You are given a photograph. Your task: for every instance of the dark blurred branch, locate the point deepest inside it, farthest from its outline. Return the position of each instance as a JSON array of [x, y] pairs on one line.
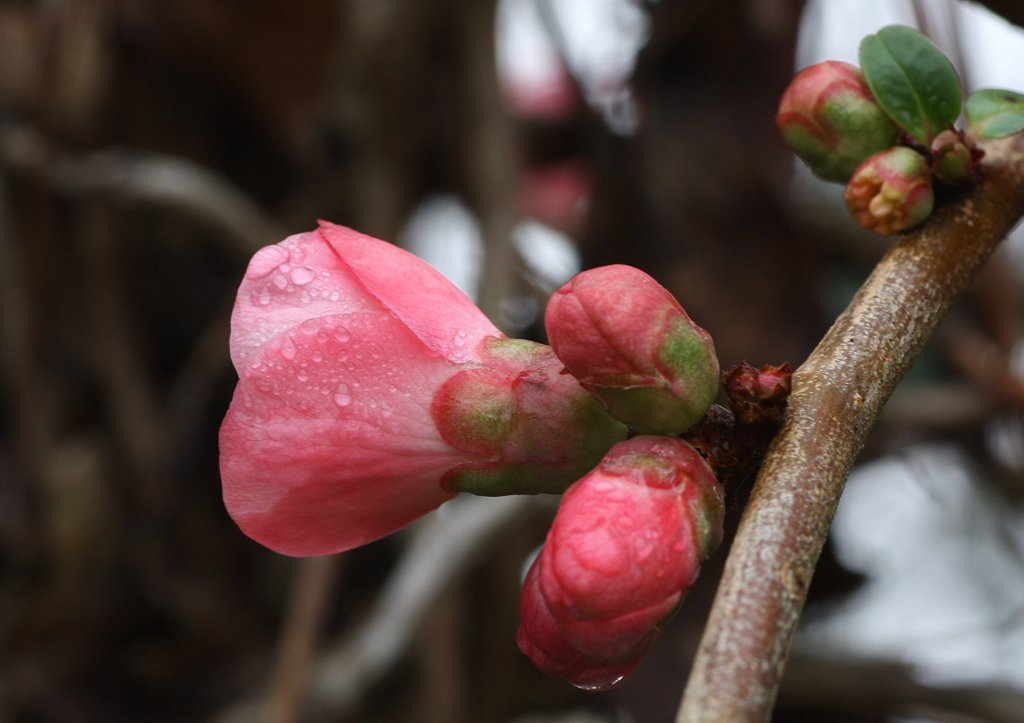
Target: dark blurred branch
[[837, 396], [883, 690], [133, 177], [441, 549], [314, 578]]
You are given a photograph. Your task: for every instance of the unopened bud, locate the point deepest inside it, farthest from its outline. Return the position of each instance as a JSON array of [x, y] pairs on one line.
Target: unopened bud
[[953, 161], [624, 548], [630, 344], [891, 191], [830, 119]]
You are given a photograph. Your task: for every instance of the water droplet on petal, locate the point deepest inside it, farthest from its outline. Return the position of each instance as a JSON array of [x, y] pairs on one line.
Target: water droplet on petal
[[342, 334], [264, 297], [265, 261], [280, 281], [302, 275], [601, 685], [288, 349], [341, 396], [303, 376]]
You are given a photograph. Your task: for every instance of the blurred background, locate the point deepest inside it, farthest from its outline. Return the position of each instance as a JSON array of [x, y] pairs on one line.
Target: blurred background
[[149, 147]]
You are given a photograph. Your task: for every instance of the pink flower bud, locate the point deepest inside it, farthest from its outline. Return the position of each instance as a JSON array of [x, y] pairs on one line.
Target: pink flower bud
[[758, 396], [341, 343], [631, 345], [624, 547], [891, 191], [830, 119]]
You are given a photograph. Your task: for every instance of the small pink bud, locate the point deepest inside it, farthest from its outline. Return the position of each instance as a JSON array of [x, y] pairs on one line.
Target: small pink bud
[[625, 546], [758, 395], [630, 344], [830, 119], [891, 191], [954, 162]]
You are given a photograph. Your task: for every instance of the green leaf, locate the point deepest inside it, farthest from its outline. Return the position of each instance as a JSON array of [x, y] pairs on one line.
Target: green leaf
[[994, 113], [913, 82]]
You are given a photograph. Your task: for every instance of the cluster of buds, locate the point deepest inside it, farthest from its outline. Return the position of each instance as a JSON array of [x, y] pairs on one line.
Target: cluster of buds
[[362, 404], [889, 158]]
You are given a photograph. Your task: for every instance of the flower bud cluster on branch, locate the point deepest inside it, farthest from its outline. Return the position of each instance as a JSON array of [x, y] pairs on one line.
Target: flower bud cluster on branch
[[886, 129], [371, 390]]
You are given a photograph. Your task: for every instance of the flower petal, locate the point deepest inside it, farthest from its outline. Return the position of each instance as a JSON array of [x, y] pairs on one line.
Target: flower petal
[[336, 270], [443, 317], [328, 443]]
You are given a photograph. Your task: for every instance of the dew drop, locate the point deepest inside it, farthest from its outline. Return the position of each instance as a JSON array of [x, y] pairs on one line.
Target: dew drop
[[601, 685], [341, 396], [303, 377], [288, 349], [317, 357], [302, 275], [265, 261], [280, 281], [342, 334], [264, 297]]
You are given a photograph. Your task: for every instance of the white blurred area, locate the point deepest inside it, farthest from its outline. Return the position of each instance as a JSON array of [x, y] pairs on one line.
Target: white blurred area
[[594, 41], [545, 51], [944, 557], [942, 552]]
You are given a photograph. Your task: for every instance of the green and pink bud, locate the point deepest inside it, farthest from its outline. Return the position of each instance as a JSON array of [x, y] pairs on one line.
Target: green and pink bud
[[954, 162], [623, 550], [630, 344], [526, 427], [830, 119], [891, 191]]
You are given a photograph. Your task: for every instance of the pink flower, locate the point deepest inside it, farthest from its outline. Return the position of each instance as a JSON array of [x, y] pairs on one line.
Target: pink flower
[[830, 119], [335, 436], [631, 345], [624, 547]]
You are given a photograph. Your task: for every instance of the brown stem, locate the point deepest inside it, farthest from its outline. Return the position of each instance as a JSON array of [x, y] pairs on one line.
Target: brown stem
[[837, 395]]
